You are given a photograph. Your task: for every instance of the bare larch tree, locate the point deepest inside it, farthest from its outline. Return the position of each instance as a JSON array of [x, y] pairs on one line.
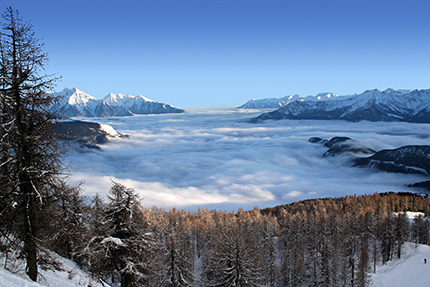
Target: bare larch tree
[[30, 158]]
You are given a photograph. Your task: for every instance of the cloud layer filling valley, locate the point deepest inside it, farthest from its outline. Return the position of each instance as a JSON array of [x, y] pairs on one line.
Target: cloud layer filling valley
[[215, 159]]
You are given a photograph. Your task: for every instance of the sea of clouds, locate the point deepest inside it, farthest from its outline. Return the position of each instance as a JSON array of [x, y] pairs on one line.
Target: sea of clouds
[[214, 158]]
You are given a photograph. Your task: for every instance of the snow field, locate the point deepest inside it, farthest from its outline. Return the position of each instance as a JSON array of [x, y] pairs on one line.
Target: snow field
[[410, 270]]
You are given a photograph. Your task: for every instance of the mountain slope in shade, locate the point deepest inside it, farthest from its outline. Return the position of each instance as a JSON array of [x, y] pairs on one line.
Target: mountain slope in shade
[[406, 159], [372, 105], [76, 103]]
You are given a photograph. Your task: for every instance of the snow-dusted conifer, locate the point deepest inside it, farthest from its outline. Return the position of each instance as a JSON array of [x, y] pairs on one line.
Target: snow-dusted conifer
[[69, 232], [235, 261], [179, 268], [120, 253]]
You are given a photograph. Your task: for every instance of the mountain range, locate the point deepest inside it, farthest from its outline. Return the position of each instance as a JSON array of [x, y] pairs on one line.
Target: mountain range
[[77, 103], [269, 103], [371, 105]]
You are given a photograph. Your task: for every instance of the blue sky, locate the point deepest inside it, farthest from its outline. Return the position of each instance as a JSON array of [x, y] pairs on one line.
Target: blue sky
[[193, 53]]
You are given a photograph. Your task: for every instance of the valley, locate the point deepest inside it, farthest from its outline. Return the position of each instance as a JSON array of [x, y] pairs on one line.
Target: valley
[[215, 158]]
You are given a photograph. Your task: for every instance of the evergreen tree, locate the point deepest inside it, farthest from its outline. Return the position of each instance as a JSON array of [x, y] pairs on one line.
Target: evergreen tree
[[69, 232], [365, 233], [179, 268], [30, 157], [235, 260], [401, 232], [120, 252]]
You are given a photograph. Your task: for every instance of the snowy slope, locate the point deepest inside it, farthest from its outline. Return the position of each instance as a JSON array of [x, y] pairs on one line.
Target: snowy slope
[[371, 105], [76, 103], [410, 270], [69, 276], [16, 280]]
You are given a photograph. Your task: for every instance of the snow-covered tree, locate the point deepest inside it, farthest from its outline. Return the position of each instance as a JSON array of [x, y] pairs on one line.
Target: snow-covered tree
[[235, 260], [178, 266], [120, 251]]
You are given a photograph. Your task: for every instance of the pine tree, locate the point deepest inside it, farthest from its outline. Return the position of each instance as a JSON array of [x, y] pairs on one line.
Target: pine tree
[[401, 232], [387, 237], [69, 232], [365, 233], [120, 252], [235, 260], [30, 157], [179, 268]]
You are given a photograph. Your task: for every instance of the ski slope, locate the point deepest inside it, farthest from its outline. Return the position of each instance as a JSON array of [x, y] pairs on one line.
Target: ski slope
[[410, 270]]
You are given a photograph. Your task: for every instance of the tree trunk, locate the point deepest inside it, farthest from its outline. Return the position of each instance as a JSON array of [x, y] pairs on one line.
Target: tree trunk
[[30, 248], [30, 251]]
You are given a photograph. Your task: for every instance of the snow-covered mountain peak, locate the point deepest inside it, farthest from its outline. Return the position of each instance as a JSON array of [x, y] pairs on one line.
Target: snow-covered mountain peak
[[111, 98], [77, 103], [76, 96], [325, 95], [143, 98], [371, 105]]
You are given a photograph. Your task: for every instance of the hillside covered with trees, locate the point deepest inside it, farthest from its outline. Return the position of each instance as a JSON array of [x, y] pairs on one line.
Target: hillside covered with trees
[[324, 242]]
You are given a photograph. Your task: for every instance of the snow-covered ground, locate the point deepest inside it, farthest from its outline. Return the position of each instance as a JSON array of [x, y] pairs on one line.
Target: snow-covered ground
[[69, 276], [410, 270]]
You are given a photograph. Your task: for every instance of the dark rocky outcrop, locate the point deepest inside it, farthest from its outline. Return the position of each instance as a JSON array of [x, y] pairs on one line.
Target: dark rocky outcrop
[[83, 134], [342, 145]]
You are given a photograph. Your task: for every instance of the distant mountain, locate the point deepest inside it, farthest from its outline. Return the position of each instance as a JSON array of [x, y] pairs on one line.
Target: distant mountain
[[282, 102], [76, 103], [373, 105]]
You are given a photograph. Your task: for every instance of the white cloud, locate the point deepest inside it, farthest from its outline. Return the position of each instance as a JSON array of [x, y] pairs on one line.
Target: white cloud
[[218, 159], [291, 195]]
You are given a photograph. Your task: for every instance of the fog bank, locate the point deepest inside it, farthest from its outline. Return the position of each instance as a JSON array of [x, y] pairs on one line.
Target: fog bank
[[214, 158]]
